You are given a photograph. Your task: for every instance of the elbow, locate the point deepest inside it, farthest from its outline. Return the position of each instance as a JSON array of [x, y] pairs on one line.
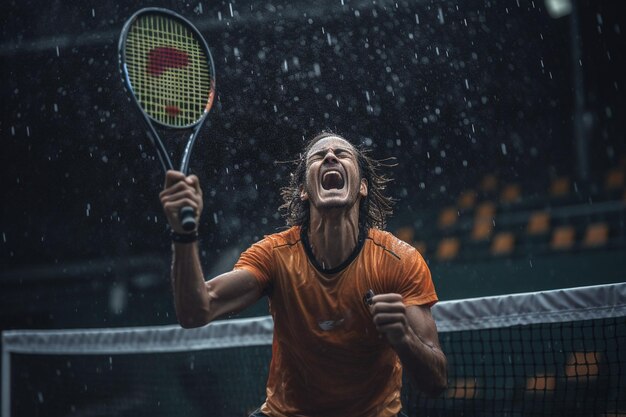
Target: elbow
[[187, 324], [192, 322], [436, 385], [437, 388], [440, 383]]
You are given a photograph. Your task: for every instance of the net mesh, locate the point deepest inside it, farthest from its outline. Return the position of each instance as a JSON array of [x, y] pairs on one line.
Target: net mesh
[[561, 354], [564, 369], [168, 70]]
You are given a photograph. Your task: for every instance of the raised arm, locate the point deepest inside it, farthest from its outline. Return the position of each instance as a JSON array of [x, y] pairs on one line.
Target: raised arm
[[412, 333], [198, 302]]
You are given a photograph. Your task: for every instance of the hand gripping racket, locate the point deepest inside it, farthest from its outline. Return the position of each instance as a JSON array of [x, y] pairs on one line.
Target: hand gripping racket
[[168, 72]]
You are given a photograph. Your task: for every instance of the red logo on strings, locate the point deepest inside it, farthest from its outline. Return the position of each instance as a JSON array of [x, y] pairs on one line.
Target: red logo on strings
[[172, 110], [162, 58]]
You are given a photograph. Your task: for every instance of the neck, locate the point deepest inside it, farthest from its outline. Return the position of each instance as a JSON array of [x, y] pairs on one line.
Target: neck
[[333, 235]]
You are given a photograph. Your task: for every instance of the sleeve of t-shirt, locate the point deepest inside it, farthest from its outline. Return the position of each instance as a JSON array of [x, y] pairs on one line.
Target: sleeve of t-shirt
[[258, 260], [414, 281]]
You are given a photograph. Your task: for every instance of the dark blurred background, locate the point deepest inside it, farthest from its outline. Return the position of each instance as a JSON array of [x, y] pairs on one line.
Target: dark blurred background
[[507, 119]]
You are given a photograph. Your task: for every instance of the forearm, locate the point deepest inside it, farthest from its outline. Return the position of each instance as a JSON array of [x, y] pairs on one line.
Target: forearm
[[190, 295], [425, 363]]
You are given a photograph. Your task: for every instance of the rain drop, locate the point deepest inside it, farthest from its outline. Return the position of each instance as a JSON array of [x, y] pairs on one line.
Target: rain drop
[[440, 16], [316, 69]]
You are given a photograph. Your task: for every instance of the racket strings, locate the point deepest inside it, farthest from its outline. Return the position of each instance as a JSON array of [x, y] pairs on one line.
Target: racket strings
[[168, 69], [168, 57]]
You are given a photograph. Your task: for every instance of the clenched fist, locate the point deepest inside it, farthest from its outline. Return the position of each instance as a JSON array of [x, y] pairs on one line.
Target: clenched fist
[[389, 316], [180, 191]]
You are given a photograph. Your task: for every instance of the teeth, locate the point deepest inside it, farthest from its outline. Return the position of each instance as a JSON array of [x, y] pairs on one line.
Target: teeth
[[331, 173]]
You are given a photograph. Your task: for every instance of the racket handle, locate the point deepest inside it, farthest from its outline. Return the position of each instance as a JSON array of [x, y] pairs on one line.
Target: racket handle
[[187, 217]]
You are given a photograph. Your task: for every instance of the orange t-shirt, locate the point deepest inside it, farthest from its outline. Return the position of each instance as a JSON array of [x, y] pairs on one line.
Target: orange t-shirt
[[328, 359]]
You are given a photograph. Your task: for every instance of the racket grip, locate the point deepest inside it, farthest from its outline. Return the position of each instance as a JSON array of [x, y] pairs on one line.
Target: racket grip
[[187, 217]]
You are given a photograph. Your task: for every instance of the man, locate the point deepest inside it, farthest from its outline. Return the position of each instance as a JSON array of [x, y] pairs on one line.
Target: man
[[333, 354]]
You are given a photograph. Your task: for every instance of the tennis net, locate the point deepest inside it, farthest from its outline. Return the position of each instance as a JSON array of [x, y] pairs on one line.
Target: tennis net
[[548, 353]]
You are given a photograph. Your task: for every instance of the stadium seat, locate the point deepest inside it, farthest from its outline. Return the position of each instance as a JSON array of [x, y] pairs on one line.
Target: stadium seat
[[511, 194], [563, 237], [538, 223], [467, 199], [503, 244], [447, 217], [583, 364], [462, 388], [596, 235], [541, 382], [614, 180], [448, 249], [560, 187], [483, 221], [489, 184], [486, 210], [482, 229]]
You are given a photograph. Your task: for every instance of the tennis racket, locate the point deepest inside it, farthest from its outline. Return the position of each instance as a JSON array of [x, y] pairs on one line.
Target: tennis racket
[[168, 71]]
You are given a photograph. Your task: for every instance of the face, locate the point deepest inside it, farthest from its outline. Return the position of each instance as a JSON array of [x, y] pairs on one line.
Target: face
[[332, 178]]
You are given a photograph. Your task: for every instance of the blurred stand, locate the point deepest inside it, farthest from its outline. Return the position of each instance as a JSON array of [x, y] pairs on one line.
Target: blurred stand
[[102, 292]]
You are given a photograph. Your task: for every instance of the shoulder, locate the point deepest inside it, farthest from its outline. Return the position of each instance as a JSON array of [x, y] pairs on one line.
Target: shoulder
[[260, 257], [404, 269], [393, 246], [277, 240]]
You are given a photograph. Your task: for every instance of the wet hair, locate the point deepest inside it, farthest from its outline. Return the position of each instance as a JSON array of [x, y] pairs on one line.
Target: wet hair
[[374, 208]]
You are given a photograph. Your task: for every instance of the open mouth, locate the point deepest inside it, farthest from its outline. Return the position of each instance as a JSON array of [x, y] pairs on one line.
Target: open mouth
[[332, 180]]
